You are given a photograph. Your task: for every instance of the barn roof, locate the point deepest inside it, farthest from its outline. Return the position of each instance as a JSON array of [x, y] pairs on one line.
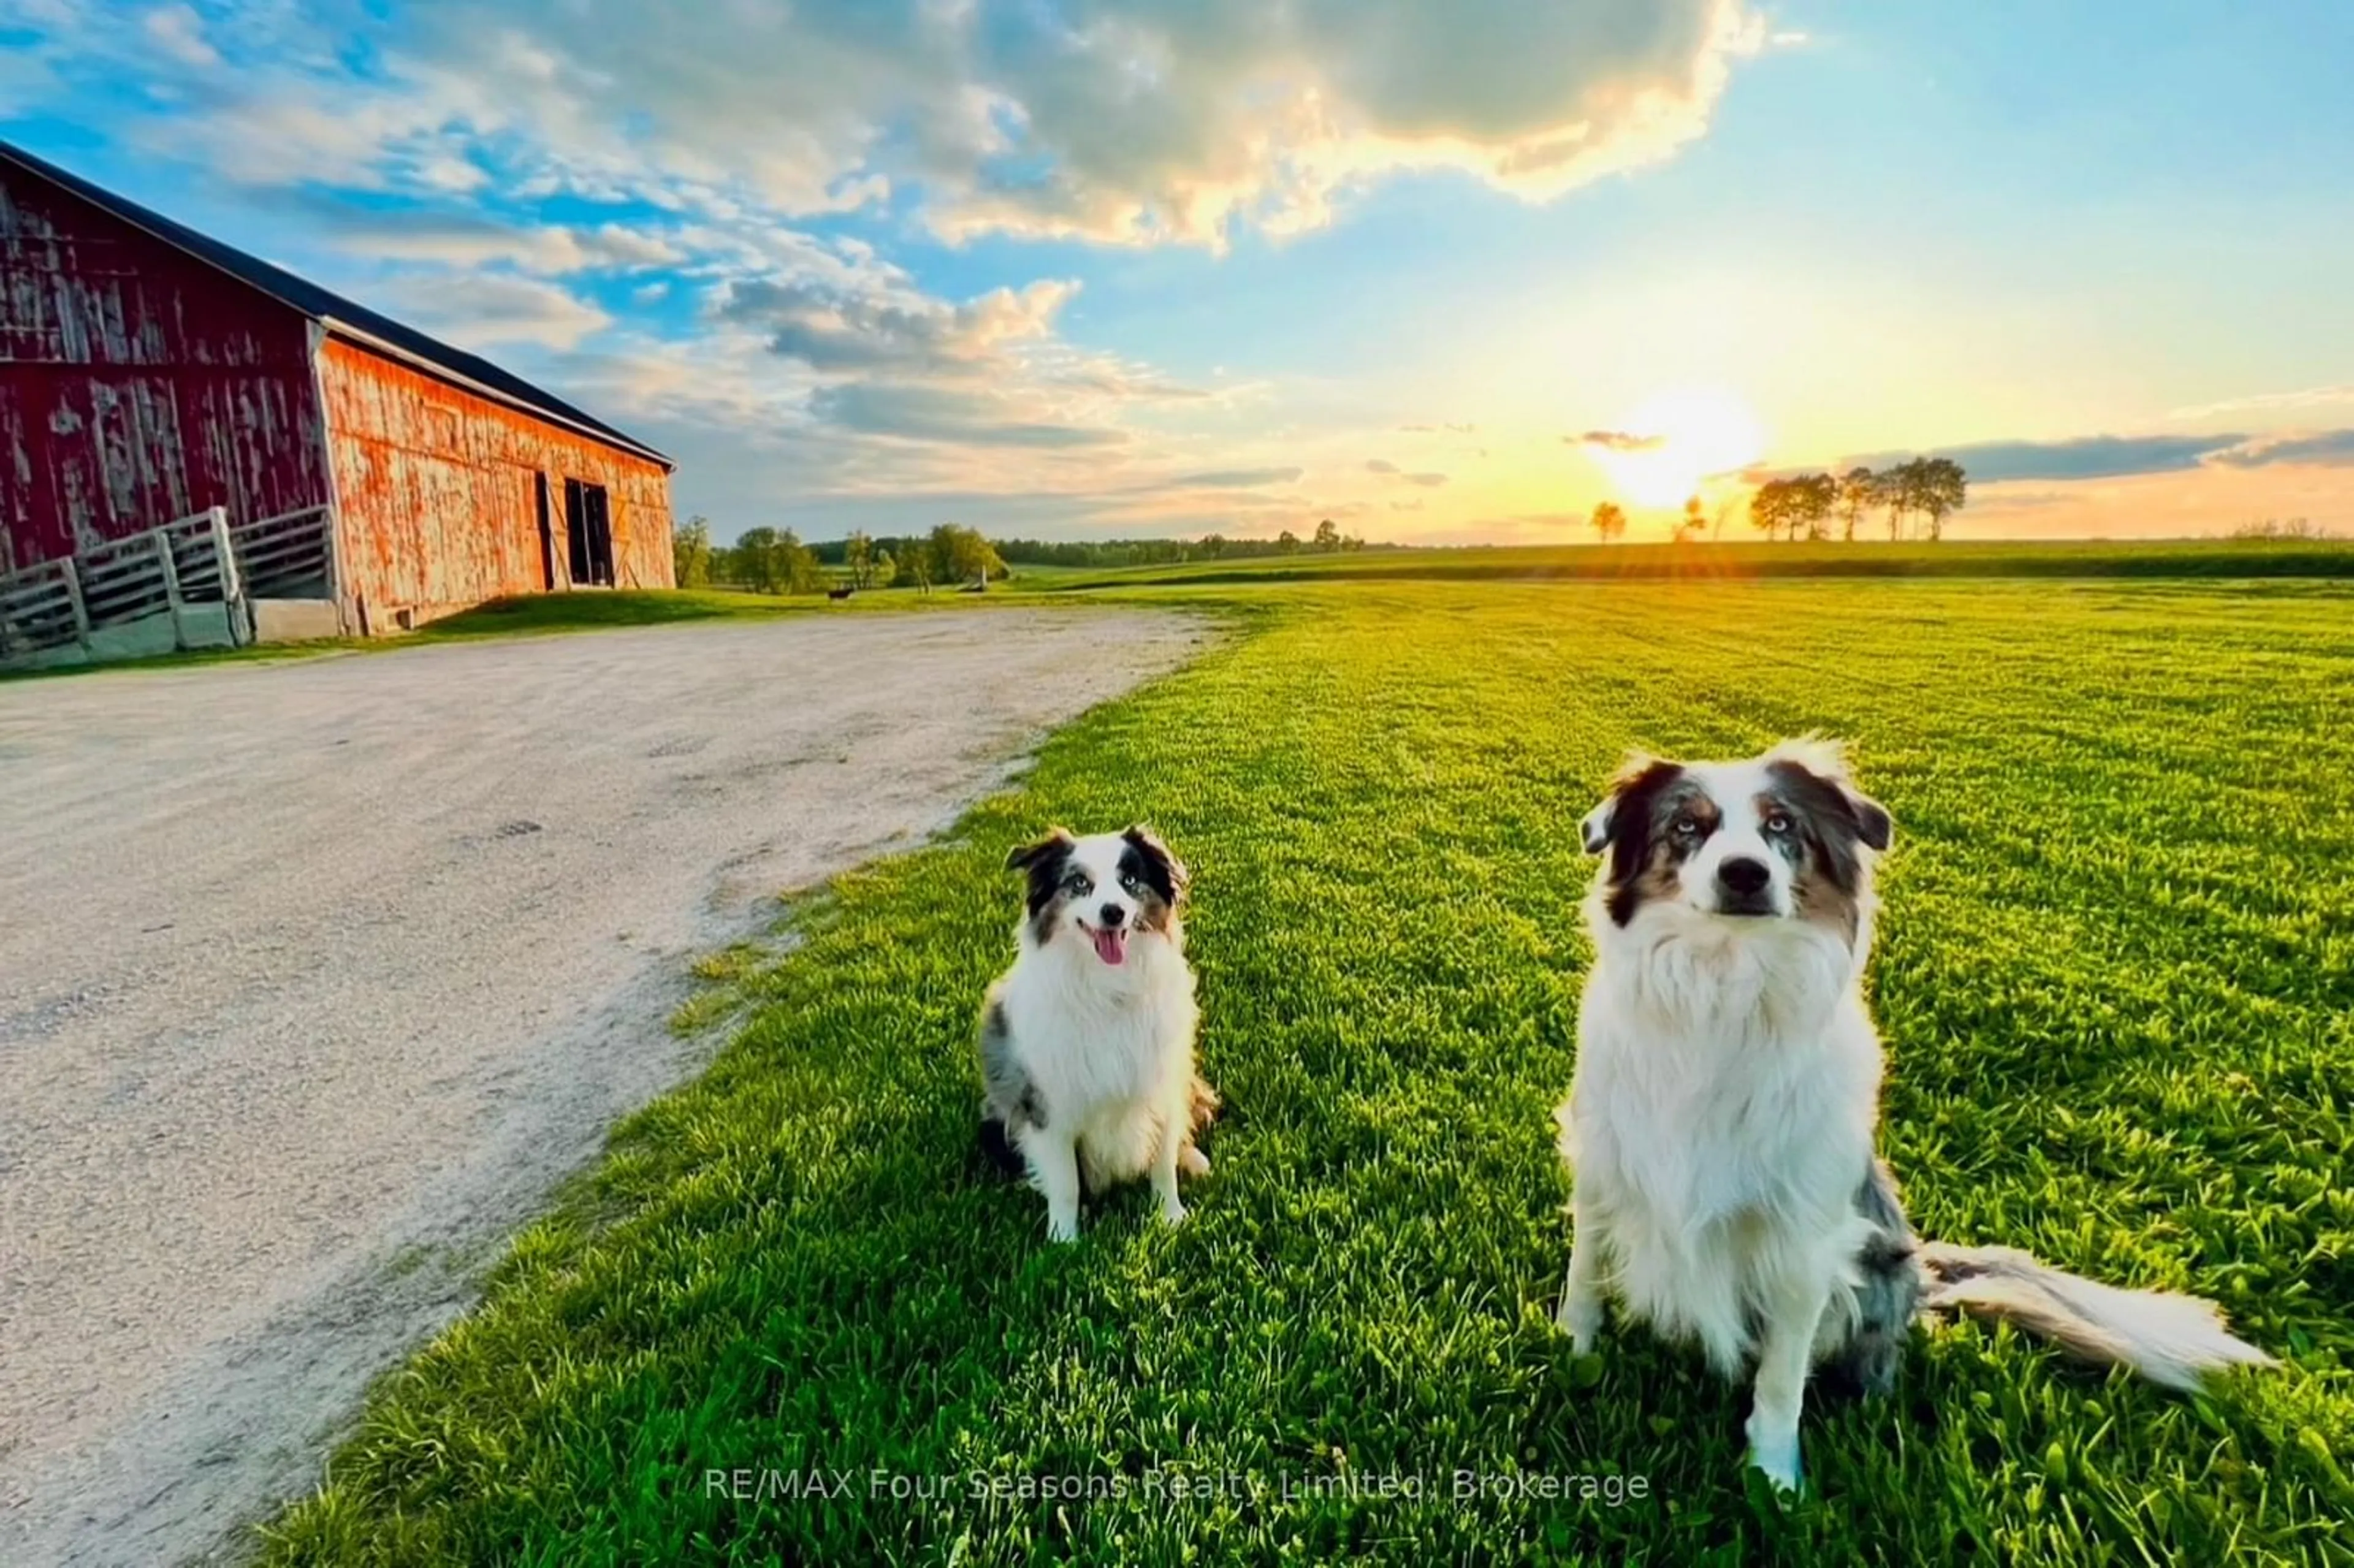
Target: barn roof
[[345, 318]]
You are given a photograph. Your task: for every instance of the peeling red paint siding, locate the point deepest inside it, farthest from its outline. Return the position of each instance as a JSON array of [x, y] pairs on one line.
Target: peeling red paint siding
[[143, 377], [439, 510], [137, 384]]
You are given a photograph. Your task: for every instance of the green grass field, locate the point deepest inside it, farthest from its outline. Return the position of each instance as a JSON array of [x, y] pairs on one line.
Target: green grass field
[[1745, 560], [2116, 976]]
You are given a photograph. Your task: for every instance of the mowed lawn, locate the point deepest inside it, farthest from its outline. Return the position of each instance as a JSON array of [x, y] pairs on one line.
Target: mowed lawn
[[2116, 972]]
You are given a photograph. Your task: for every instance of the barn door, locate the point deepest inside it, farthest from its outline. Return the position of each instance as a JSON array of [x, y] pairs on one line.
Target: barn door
[[601, 535], [575, 531], [591, 526], [546, 531]]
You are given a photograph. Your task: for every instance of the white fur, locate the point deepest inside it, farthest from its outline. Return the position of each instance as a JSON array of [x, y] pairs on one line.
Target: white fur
[[1721, 1114], [1109, 1046]]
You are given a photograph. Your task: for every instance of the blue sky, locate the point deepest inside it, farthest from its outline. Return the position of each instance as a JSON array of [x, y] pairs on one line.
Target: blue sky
[[1105, 267]]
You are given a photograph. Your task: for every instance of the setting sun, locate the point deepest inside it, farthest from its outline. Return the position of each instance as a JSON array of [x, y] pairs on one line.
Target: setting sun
[[1676, 441]]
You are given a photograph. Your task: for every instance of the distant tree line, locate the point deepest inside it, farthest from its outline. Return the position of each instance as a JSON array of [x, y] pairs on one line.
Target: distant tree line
[[765, 560], [1109, 553], [775, 560], [1805, 506], [951, 556], [2298, 528], [769, 560]]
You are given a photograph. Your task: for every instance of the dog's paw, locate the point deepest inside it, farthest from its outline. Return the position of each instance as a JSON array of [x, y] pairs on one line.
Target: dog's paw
[[1191, 1162], [1582, 1321], [1062, 1227], [1174, 1213], [1775, 1456]]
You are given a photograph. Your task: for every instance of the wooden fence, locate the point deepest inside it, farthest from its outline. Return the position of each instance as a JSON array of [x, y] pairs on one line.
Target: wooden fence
[[188, 584]]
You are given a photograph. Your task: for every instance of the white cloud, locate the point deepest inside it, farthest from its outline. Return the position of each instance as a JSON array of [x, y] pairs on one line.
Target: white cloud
[[179, 32], [1133, 122], [722, 128], [465, 241], [2328, 449], [491, 308], [2306, 397], [891, 326]]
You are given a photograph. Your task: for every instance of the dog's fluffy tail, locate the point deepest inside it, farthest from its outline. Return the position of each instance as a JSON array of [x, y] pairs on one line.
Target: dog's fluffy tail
[[2170, 1338]]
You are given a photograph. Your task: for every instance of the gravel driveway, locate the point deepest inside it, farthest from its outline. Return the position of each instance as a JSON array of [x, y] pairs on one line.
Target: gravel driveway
[[315, 977]]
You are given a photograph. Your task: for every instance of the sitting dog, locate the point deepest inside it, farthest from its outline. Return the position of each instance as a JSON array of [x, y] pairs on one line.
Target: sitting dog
[[1086, 1043], [1722, 1122]]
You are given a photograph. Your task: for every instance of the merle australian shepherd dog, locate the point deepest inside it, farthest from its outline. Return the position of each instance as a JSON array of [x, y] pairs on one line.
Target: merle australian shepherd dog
[[1086, 1043], [1722, 1123]]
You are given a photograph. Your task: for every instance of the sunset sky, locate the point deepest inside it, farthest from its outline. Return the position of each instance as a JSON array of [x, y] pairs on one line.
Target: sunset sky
[[1439, 271]]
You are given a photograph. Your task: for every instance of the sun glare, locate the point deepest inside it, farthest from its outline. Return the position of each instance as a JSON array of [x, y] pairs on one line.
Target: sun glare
[[1676, 441]]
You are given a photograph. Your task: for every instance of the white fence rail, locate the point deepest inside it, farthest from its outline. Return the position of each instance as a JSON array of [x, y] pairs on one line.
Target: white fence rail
[[188, 584], [286, 556]]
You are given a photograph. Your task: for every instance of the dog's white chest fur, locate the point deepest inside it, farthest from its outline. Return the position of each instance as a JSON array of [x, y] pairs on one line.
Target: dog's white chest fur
[[1717, 1078], [1097, 1041], [1721, 1114]]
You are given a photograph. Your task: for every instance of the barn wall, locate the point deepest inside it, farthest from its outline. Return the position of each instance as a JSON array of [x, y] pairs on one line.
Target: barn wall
[[434, 484], [137, 385]]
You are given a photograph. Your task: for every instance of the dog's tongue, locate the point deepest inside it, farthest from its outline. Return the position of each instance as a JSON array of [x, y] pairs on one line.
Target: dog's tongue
[[1111, 946]]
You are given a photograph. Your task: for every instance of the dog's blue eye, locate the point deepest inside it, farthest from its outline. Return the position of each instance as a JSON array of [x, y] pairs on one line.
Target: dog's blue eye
[[1686, 827], [1077, 883], [1130, 882], [1778, 823]]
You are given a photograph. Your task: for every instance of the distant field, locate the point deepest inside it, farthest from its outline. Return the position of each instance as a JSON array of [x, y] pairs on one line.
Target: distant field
[[2116, 975], [2161, 558]]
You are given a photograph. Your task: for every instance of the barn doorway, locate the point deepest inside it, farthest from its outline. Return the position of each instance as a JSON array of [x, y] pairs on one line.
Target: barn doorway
[[546, 531], [591, 527]]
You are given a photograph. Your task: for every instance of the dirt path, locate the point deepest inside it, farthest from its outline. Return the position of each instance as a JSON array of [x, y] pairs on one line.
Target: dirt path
[[315, 977]]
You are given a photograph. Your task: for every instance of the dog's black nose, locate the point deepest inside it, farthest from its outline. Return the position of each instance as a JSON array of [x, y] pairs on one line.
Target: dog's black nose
[[1742, 876], [1113, 915]]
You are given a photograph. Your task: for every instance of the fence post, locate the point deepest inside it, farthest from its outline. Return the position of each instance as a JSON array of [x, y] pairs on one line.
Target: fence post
[[171, 571], [72, 575], [233, 605]]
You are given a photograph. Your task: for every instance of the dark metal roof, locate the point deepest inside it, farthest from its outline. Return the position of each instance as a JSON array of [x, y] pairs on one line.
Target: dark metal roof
[[338, 314]]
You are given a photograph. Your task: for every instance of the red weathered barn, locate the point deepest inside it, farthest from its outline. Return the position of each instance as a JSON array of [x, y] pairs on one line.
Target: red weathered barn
[[148, 372]]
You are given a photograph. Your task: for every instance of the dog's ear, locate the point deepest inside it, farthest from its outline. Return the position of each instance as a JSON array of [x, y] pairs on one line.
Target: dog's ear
[[1593, 833], [1043, 861], [1639, 774], [1874, 825], [1826, 759], [1052, 847], [1162, 871]]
